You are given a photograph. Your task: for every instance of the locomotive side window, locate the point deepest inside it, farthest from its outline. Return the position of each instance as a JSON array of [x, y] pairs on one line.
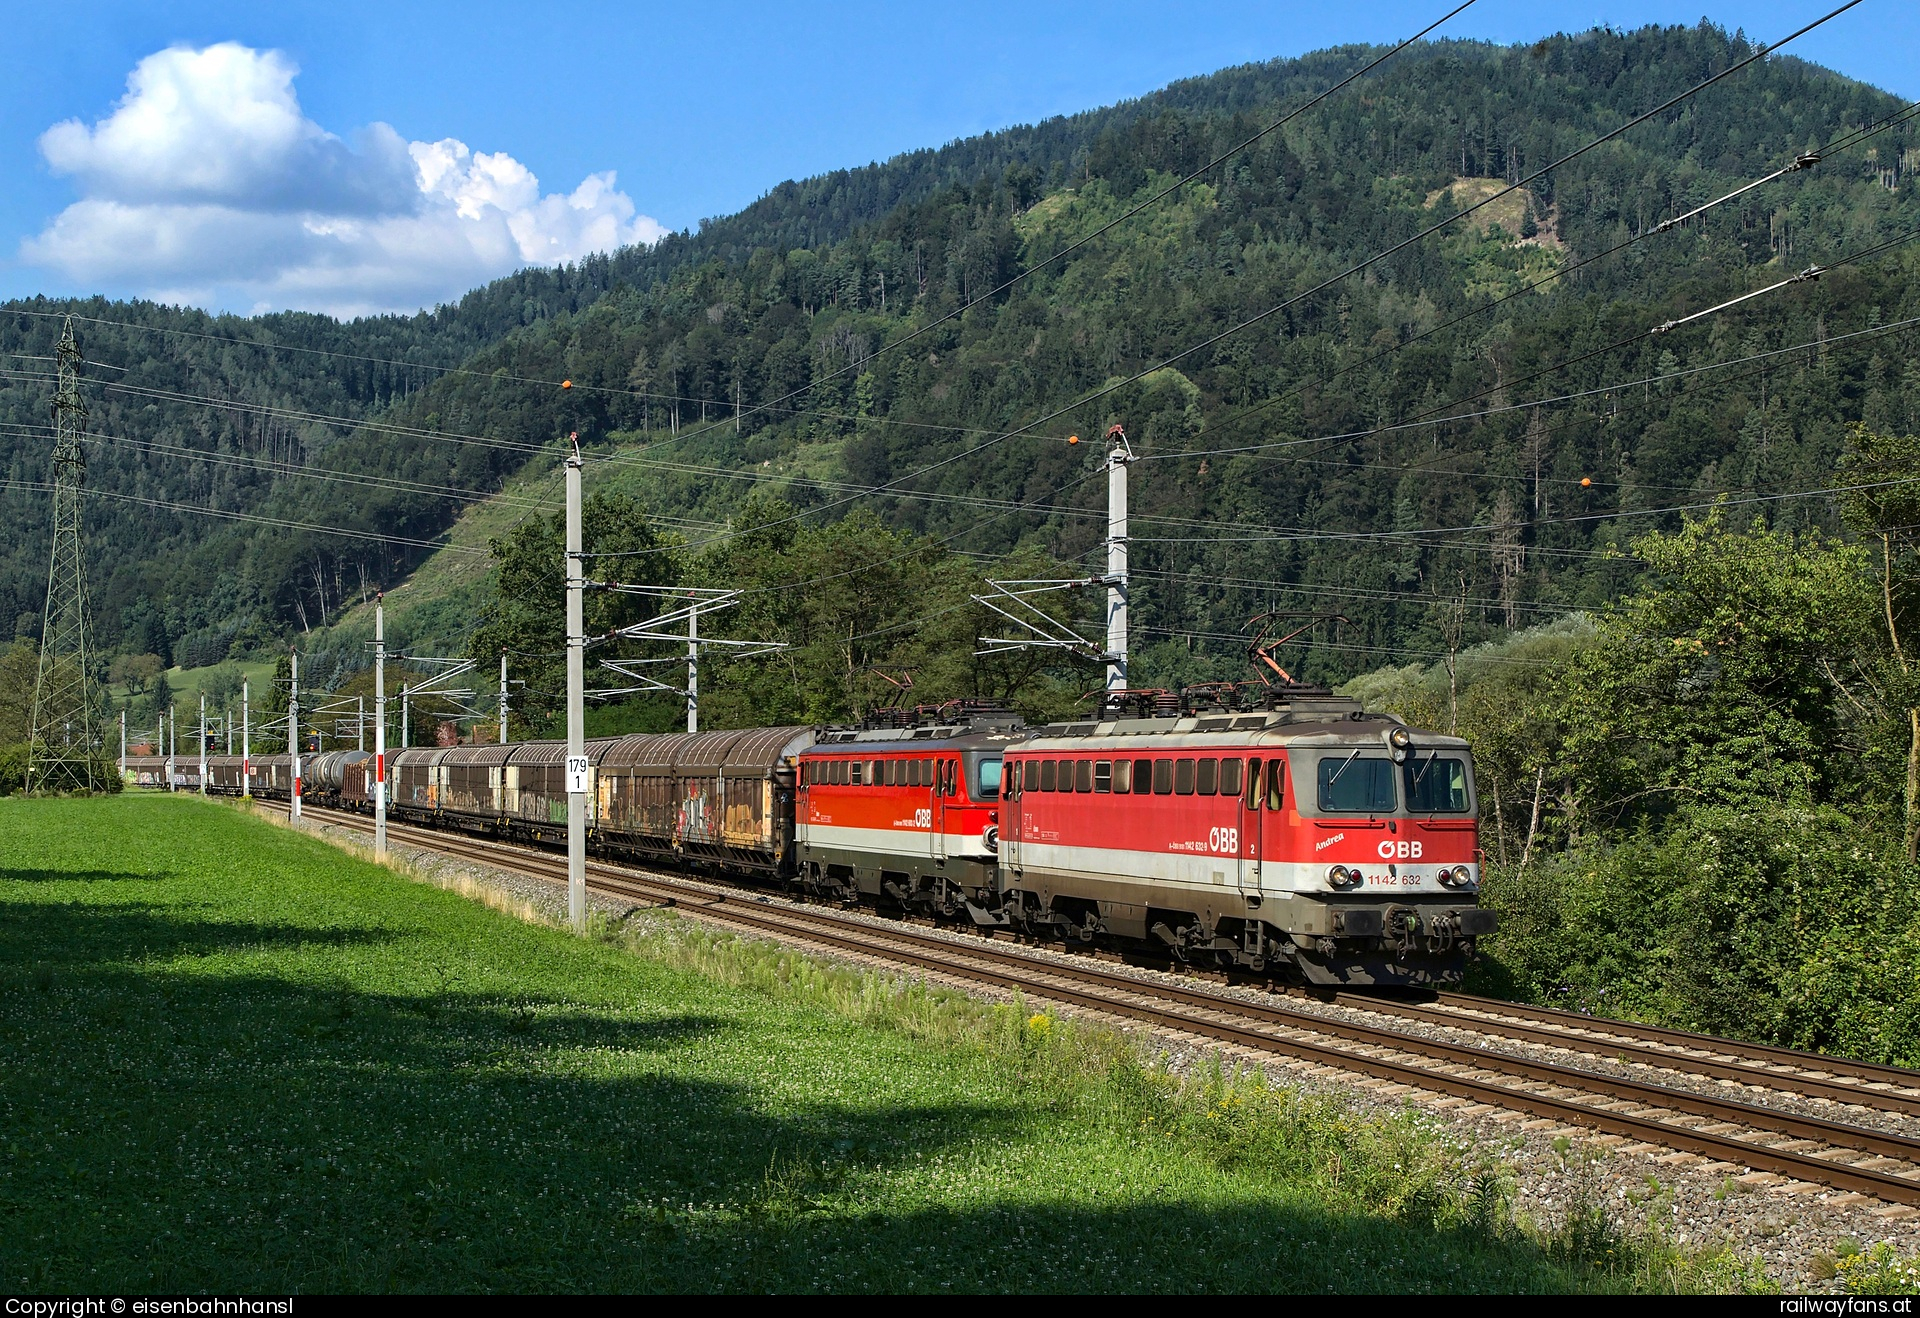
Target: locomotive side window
[[1047, 772], [1229, 777], [1276, 783], [1435, 785], [854, 772], [1183, 777], [1032, 779], [1143, 777], [1123, 776], [1208, 778], [1083, 776], [875, 769], [1163, 777], [1356, 783], [1103, 775]]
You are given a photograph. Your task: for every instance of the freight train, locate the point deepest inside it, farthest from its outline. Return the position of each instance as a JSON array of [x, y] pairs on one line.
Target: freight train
[[1293, 834]]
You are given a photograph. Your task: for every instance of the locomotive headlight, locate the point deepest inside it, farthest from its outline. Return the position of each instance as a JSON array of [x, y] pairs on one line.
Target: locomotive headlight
[[1342, 877], [1457, 877], [1401, 743]]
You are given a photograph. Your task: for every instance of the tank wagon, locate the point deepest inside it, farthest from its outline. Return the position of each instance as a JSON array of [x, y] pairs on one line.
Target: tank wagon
[[1286, 832]]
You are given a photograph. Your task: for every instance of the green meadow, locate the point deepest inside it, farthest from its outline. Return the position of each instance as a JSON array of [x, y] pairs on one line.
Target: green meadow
[[240, 1059]]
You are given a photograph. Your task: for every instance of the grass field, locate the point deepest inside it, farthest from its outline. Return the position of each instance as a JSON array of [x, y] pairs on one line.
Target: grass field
[[239, 1059]]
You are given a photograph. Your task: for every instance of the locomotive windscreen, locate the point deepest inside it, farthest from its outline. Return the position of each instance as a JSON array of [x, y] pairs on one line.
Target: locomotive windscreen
[[1436, 785], [986, 778], [1356, 784]]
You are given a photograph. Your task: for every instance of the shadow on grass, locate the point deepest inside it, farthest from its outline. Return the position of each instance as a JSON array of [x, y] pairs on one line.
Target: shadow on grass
[[171, 1132], [81, 876], [94, 933]]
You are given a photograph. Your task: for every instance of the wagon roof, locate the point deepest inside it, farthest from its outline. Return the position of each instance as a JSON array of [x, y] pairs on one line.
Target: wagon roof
[[555, 752], [738, 752]]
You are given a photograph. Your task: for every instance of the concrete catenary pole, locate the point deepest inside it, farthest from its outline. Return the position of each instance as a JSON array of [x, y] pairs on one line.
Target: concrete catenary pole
[[576, 705], [693, 668], [380, 726], [360, 723], [503, 695], [203, 743], [246, 736], [293, 733], [169, 741], [406, 709], [1119, 454], [123, 744]]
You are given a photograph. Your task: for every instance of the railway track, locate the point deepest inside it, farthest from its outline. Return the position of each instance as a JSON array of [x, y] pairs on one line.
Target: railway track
[[1474, 1077]]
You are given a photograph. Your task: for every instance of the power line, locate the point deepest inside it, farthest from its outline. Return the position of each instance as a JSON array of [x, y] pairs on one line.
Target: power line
[[1804, 161], [1351, 270], [277, 522]]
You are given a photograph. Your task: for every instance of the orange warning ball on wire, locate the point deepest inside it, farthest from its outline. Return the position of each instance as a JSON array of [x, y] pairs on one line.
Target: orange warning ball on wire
[[1585, 481], [566, 384], [1073, 439]]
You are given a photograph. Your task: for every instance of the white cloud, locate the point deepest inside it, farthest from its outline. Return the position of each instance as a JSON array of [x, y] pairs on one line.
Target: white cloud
[[208, 185]]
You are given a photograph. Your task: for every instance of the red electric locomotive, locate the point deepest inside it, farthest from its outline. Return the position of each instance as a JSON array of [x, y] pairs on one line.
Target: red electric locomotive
[[1308, 838], [907, 812]]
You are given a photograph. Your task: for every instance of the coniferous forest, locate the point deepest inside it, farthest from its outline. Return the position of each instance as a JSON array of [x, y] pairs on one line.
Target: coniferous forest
[[1665, 581]]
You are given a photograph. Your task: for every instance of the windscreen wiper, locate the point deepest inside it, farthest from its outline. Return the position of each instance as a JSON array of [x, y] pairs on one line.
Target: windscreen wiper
[[1328, 788]]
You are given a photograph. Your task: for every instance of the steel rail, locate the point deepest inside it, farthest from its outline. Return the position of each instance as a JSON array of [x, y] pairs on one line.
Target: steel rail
[[947, 957], [1795, 1057], [1750, 1065]]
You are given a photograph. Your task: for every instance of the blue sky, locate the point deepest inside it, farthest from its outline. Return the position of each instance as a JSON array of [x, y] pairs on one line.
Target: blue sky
[[207, 187]]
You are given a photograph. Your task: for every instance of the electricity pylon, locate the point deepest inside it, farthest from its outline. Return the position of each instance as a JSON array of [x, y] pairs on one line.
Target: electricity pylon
[[64, 751]]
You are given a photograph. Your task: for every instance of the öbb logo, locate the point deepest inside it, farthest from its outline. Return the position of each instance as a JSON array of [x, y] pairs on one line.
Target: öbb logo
[[1403, 850], [1223, 839]]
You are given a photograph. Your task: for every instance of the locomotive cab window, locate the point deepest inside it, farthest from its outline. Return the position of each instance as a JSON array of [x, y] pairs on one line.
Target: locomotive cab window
[[1032, 776], [986, 786], [1276, 784], [1356, 784], [1435, 784]]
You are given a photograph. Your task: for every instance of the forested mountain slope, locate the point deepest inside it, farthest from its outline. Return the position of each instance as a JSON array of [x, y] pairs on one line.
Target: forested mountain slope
[[1246, 496]]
